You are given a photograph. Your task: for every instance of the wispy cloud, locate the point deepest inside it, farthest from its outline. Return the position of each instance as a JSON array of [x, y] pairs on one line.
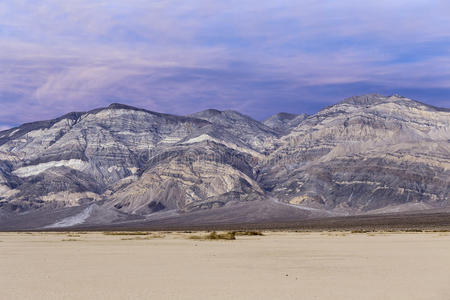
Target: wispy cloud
[[181, 56]]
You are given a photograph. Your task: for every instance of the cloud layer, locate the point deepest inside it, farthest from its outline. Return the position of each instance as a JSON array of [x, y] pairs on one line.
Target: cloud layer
[[258, 57]]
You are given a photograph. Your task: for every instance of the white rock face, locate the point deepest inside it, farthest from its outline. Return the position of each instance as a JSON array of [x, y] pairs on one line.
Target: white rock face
[[75, 164]]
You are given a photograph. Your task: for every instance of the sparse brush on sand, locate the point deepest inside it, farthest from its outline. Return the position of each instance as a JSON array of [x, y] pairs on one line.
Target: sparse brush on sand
[[249, 233], [143, 238], [215, 236], [280, 265], [73, 235], [361, 231], [126, 233], [231, 235]]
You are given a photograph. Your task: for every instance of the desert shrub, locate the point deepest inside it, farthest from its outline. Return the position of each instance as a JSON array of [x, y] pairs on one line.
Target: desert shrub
[[143, 238], [360, 231], [73, 235], [215, 236], [126, 233], [249, 233]]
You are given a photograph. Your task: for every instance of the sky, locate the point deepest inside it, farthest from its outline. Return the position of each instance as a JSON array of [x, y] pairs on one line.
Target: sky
[[258, 57]]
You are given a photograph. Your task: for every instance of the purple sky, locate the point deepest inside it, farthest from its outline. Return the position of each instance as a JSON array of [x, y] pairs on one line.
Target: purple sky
[[258, 57]]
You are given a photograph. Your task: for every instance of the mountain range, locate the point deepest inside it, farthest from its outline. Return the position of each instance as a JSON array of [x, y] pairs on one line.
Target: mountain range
[[122, 165]]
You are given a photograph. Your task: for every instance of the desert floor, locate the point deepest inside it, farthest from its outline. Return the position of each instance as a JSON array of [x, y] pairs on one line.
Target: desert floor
[[278, 265]]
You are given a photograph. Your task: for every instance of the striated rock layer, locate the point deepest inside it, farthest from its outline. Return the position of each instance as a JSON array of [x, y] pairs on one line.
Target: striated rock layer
[[366, 154]]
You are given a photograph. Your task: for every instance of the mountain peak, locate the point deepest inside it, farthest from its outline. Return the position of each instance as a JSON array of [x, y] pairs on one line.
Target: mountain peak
[[374, 99], [129, 107], [214, 113], [281, 116], [368, 99], [207, 113], [121, 106], [283, 122]]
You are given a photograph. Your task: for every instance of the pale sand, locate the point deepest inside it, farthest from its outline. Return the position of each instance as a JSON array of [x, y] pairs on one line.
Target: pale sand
[[279, 265]]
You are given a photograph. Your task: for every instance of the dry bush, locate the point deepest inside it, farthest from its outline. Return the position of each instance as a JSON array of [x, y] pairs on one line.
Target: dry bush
[[248, 233], [126, 233], [73, 235], [360, 231], [215, 236], [144, 238]]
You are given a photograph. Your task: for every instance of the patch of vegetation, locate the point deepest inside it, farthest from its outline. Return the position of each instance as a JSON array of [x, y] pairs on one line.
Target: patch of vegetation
[[73, 235], [157, 236], [413, 230], [248, 233], [337, 233], [360, 231], [70, 240], [143, 238], [215, 236], [126, 233]]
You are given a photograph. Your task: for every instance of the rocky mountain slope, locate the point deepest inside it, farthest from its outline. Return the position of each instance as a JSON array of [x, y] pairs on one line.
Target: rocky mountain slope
[[284, 122], [366, 154]]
